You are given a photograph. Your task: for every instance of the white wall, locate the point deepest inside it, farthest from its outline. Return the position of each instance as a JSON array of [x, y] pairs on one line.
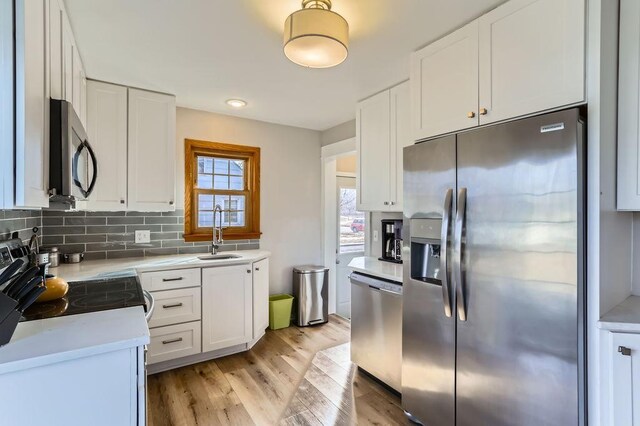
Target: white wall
[[290, 210], [340, 132]]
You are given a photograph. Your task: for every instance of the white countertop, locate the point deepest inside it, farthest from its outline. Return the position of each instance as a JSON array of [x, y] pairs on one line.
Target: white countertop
[[377, 268], [41, 342], [624, 317], [96, 269]]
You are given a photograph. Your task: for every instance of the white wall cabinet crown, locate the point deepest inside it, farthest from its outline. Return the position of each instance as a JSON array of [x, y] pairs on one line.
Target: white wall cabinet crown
[[382, 131], [523, 57], [628, 183], [133, 134]]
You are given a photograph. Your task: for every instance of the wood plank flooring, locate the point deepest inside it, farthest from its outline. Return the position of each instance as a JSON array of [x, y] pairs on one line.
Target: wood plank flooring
[[294, 376]]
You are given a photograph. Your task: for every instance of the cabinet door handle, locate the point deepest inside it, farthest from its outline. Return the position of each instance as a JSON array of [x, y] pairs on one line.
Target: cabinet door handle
[[624, 351], [173, 305], [166, 342], [170, 203], [248, 271], [257, 269], [471, 114], [483, 111], [166, 280], [386, 203], [122, 201], [393, 203]]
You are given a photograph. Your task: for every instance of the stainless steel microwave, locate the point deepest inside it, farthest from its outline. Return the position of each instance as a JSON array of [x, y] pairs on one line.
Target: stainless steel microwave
[[73, 167]]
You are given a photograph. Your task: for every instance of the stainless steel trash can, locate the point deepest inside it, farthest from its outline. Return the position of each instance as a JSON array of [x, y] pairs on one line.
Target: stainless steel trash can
[[311, 293]]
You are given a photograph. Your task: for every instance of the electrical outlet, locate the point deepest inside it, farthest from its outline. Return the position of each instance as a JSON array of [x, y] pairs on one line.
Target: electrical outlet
[[375, 236], [143, 237]]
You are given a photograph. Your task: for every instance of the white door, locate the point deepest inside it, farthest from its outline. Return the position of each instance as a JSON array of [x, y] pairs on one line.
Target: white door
[[444, 84], [67, 59], [625, 376], [55, 50], [260, 297], [32, 105], [152, 151], [350, 236], [107, 133], [531, 57], [373, 146], [400, 137], [227, 317]]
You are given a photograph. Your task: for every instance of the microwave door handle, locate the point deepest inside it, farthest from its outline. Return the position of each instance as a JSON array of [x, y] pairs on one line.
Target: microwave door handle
[[458, 259], [444, 252], [94, 163]]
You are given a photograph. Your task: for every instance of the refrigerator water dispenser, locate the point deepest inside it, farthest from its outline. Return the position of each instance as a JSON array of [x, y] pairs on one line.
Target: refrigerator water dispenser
[[425, 250]]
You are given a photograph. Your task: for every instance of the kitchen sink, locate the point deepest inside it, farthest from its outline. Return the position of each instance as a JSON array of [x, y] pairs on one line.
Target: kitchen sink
[[219, 257]]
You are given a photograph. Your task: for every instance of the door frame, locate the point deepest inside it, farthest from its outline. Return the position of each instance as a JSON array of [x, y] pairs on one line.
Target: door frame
[[329, 155]]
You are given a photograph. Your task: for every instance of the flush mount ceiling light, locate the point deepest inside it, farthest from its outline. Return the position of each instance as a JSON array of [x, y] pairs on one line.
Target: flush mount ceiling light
[[316, 37], [236, 103]]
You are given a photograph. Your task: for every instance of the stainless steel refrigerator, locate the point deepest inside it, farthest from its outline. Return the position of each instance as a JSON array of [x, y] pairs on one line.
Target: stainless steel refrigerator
[[494, 297]]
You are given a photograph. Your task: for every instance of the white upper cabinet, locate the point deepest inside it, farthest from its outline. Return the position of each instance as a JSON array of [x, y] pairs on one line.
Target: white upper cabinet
[[31, 83], [383, 128], [532, 57], [56, 63], [524, 57], [444, 84], [107, 133], [6, 104], [152, 151], [373, 130], [629, 107], [68, 44], [400, 138]]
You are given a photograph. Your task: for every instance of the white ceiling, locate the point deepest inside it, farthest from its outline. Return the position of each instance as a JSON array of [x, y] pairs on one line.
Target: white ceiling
[[207, 51]]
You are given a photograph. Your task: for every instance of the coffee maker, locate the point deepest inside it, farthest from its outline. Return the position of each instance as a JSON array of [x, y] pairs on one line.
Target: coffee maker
[[391, 240]]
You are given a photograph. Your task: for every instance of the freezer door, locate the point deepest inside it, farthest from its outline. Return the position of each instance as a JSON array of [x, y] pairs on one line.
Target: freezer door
[[428, 349], [520, 301]]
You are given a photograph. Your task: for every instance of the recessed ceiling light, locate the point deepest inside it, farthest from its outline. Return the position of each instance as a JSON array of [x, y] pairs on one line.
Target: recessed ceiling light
[[236, 103]]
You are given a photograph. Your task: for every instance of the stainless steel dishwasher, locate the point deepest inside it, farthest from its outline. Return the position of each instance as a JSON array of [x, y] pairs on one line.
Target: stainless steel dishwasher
[[376, 327]]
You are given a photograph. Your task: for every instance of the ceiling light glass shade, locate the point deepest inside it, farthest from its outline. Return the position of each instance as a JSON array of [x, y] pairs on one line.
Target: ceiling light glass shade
[[316, 38]]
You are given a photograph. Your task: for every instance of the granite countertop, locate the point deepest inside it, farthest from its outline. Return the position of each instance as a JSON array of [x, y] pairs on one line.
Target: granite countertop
[[377, 268], [96, 269], [624, 317]]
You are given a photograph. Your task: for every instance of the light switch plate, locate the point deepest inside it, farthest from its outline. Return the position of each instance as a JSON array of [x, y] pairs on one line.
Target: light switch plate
[[143, 237], [375, 236]]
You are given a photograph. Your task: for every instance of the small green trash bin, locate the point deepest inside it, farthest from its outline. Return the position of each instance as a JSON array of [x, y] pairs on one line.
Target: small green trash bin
[[280, 311]]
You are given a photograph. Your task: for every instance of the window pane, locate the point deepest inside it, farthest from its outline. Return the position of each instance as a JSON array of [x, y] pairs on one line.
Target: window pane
[[351, 222], [222, 201], [235, 218], [205, 219], [205, 202], [237, 202], [237, 182], [207, 164], [221, 166], [236, 167], [220, 182], [205, 181]]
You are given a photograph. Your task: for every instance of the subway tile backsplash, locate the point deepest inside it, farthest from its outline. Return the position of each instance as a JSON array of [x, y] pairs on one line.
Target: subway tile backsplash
[[110, 235], [22, 221]]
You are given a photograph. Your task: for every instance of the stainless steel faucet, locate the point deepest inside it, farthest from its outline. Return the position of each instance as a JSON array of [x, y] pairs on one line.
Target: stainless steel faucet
[[217, 231]]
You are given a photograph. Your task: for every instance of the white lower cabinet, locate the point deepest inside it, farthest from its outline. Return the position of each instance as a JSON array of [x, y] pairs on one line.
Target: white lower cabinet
[[102, 389], [174, 341], [260, 297], [227, 318], [176, 306], [624, 354]]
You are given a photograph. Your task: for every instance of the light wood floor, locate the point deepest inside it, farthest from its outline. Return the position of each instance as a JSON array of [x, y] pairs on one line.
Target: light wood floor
[[275, 383]]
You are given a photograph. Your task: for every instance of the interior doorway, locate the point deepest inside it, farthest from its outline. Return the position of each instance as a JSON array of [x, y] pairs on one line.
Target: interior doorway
[[343, 226]]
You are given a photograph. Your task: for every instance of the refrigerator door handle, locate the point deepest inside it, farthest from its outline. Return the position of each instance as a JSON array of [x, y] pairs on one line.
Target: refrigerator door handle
[[457, 257], [444, 252]]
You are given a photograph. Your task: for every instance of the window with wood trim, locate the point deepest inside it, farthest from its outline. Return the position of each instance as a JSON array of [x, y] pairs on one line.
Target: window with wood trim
[[225, 175]]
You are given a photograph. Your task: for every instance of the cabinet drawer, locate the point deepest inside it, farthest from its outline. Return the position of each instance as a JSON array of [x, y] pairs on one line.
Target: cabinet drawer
[[175, 341], [168, 280], [176, 306]]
